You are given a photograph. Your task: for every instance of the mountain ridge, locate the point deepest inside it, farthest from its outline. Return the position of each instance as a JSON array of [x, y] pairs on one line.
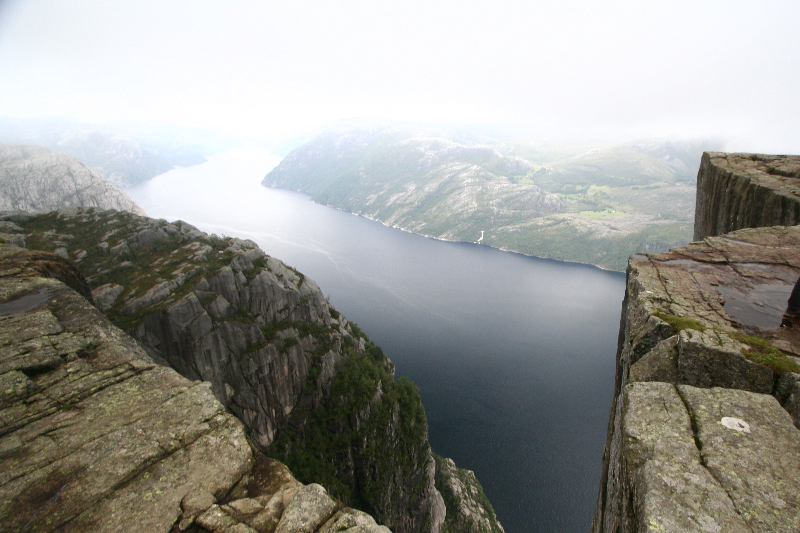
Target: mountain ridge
[[123, 153], [590, 203]]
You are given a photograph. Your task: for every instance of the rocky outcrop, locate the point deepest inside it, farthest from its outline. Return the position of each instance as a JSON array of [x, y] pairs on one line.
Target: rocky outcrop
[[468, 508], [94, 436], [32, 178], [736, 191], [306, 383], [702, 432]]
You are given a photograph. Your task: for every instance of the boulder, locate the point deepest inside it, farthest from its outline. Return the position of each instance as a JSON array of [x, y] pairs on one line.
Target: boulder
[[94, 435]]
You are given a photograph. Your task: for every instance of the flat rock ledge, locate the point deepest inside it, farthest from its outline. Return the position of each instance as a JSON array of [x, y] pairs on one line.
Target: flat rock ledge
[[703, 427], [94, 436]]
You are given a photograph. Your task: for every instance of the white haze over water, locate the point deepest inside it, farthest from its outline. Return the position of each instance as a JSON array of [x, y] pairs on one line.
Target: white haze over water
[[225, 196], [618, 68]]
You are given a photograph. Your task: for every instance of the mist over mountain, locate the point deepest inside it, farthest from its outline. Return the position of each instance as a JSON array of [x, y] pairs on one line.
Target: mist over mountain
[[592, 202], [123, 153], [32, 178]]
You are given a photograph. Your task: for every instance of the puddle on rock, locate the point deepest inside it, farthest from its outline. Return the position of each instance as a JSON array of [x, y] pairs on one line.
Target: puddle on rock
[[763, 306], [26, 303]]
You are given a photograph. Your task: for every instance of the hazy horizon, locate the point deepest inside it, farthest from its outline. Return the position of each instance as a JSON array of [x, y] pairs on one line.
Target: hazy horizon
[[617, 70]]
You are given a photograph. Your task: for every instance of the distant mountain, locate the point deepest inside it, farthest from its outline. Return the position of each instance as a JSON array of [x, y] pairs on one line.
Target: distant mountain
[[590, 202], [32, 178], [125, 154], [122, 160]]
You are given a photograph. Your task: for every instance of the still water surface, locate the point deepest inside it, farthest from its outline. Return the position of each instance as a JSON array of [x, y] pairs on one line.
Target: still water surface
[[513, 355]]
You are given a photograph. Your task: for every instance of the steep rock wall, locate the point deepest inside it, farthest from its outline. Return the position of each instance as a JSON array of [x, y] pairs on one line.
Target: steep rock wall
[[736, 191], [263, 335], [702, 432]]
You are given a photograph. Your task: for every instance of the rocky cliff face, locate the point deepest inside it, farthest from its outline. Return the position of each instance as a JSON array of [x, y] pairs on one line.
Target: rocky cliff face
[[94, 436], [468, 509], [32, 178], [274, 351], [736, 191], [702, 432]]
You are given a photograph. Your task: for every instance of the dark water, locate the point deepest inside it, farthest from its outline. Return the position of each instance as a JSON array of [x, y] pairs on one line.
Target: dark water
[[513, 355]]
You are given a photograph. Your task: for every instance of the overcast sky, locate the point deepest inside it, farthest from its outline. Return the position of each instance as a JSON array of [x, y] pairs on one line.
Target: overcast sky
[[615, 67]]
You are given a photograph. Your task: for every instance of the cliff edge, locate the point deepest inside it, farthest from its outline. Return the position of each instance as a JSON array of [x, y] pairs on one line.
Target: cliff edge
[[736, 191], [703, 427], [94, 436], [311, 389]]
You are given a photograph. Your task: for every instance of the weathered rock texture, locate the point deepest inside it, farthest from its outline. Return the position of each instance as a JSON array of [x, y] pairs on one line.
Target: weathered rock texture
[[702, 432], [32, 178], [736, 191], [94, 436], [468, 508], [274, 351]]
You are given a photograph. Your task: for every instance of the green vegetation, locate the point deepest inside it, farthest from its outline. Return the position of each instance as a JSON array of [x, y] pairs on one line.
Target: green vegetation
[[342, 443], [679, 323], [761, 351], [764, 353]]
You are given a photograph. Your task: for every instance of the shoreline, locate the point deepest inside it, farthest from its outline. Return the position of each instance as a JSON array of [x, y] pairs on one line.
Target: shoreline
[[443, 239]]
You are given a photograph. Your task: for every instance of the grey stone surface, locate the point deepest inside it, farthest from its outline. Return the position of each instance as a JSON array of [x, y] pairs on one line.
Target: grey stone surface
[[467, 507], [664, 483], [750, 446], [94, 435], [216, 520], [658, 364], [105, 295], [791, 401], [713, 359], [350, 520], [310, 509]]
